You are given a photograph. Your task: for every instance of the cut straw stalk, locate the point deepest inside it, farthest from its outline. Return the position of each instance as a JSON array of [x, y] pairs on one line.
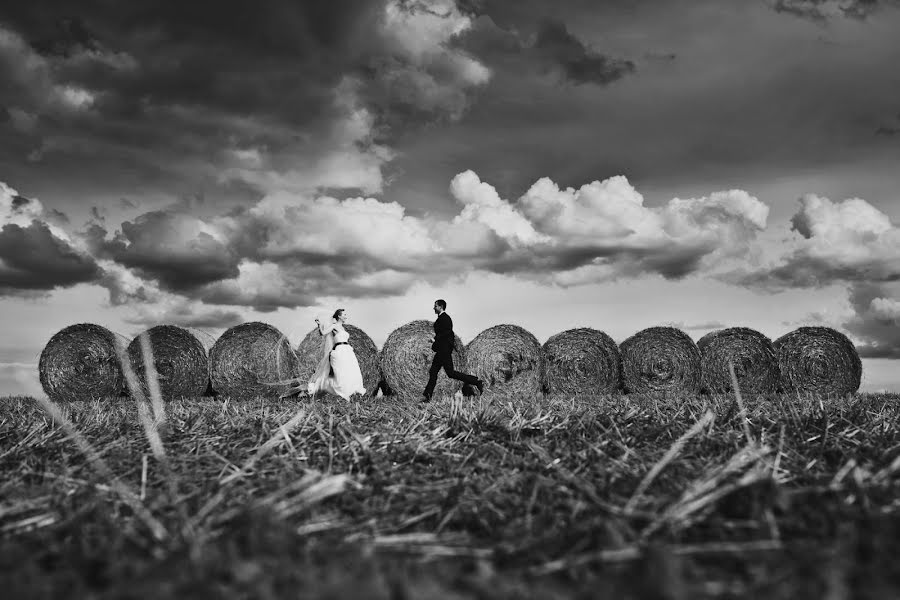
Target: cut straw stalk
[[80, 363], [309, 353], [252, 360], [660, 359], [180, 360], [581, 361], [818, 360], [752, 354], [508, 359], [406, 357]]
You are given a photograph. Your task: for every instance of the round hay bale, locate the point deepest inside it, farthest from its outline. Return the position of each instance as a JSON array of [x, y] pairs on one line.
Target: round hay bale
[[818, 360], [181, 359], [660, 359], [250, 360], [508, 359], [309, 353], [80, 362], [751, 353], [581, 361], [406, 358]]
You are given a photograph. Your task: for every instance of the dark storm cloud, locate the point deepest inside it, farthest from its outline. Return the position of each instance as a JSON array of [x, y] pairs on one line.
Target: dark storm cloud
[[552, 48], [32, 258], [18, 202], [556, 45], [169, 248], [244, 91], [822, 10]]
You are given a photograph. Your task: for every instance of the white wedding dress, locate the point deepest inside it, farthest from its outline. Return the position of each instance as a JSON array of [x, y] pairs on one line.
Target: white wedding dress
[[338, 371]]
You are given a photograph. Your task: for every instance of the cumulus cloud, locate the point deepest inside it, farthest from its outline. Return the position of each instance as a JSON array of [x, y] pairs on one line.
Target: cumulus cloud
[[603, 230], [876, 323], [421, 75], [482, 204], [36, 255], [150, 305], [290, 250], [177, 250], [847, 241]]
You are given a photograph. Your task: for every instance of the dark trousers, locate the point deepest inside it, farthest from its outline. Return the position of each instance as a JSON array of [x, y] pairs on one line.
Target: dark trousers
[[444, 360]]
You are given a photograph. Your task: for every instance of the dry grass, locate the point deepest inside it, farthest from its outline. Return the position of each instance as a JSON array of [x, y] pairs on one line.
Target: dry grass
[[543, 497]]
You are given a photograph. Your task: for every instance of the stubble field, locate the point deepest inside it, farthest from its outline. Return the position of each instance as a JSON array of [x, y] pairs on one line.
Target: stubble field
[[618, 496]]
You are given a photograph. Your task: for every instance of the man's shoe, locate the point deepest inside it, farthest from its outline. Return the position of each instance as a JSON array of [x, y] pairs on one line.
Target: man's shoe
[[480, 385], [425, 399]]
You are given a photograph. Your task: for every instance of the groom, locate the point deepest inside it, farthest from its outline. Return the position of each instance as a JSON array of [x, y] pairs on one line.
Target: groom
[[442, 345]]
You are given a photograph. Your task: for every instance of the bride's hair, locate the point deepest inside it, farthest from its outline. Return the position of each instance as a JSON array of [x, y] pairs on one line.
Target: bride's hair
[[337, 314]]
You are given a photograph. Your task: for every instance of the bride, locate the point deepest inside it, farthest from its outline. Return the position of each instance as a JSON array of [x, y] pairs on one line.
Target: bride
[[338, 370]]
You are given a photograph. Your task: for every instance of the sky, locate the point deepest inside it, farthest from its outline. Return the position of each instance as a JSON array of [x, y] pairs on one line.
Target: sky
[[615, 164]]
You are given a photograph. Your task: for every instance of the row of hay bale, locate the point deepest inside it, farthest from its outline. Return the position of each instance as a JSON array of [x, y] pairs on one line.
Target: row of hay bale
[[255, 359]]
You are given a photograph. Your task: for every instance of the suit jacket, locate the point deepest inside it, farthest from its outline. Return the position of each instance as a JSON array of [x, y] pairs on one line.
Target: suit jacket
[[444, 340]]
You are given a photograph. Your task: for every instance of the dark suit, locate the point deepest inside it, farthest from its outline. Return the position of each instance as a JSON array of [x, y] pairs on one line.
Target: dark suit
[[444, 342]]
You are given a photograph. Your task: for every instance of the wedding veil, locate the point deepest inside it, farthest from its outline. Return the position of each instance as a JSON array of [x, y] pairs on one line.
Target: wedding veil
[[323, 369]]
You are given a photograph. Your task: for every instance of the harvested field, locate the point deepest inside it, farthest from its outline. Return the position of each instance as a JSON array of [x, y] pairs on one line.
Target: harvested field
[[614, 496]]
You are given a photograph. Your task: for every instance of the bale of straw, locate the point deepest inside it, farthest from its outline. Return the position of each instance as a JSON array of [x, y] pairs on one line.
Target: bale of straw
[[181, 359], [80, 362], [581, 361], [508, 359], [252, 360], [406, 357], [751, 353], [309, 353], [660, 359], [818, 360]]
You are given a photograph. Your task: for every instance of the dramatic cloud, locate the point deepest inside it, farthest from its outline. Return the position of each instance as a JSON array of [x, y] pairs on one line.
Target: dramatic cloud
[[828, 9], [177, 250], [877, 319], [419, 75], [282, 96], [558, 47], [151, 305], [603, 231], [552, 48], [848, 241], [291, 250], [36, 255]]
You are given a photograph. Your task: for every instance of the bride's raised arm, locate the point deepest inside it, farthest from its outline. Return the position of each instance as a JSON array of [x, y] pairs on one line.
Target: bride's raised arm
[[325, 329]]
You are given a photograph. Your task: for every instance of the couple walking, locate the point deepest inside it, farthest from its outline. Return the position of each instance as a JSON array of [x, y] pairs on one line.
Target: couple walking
[[338, 370]]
